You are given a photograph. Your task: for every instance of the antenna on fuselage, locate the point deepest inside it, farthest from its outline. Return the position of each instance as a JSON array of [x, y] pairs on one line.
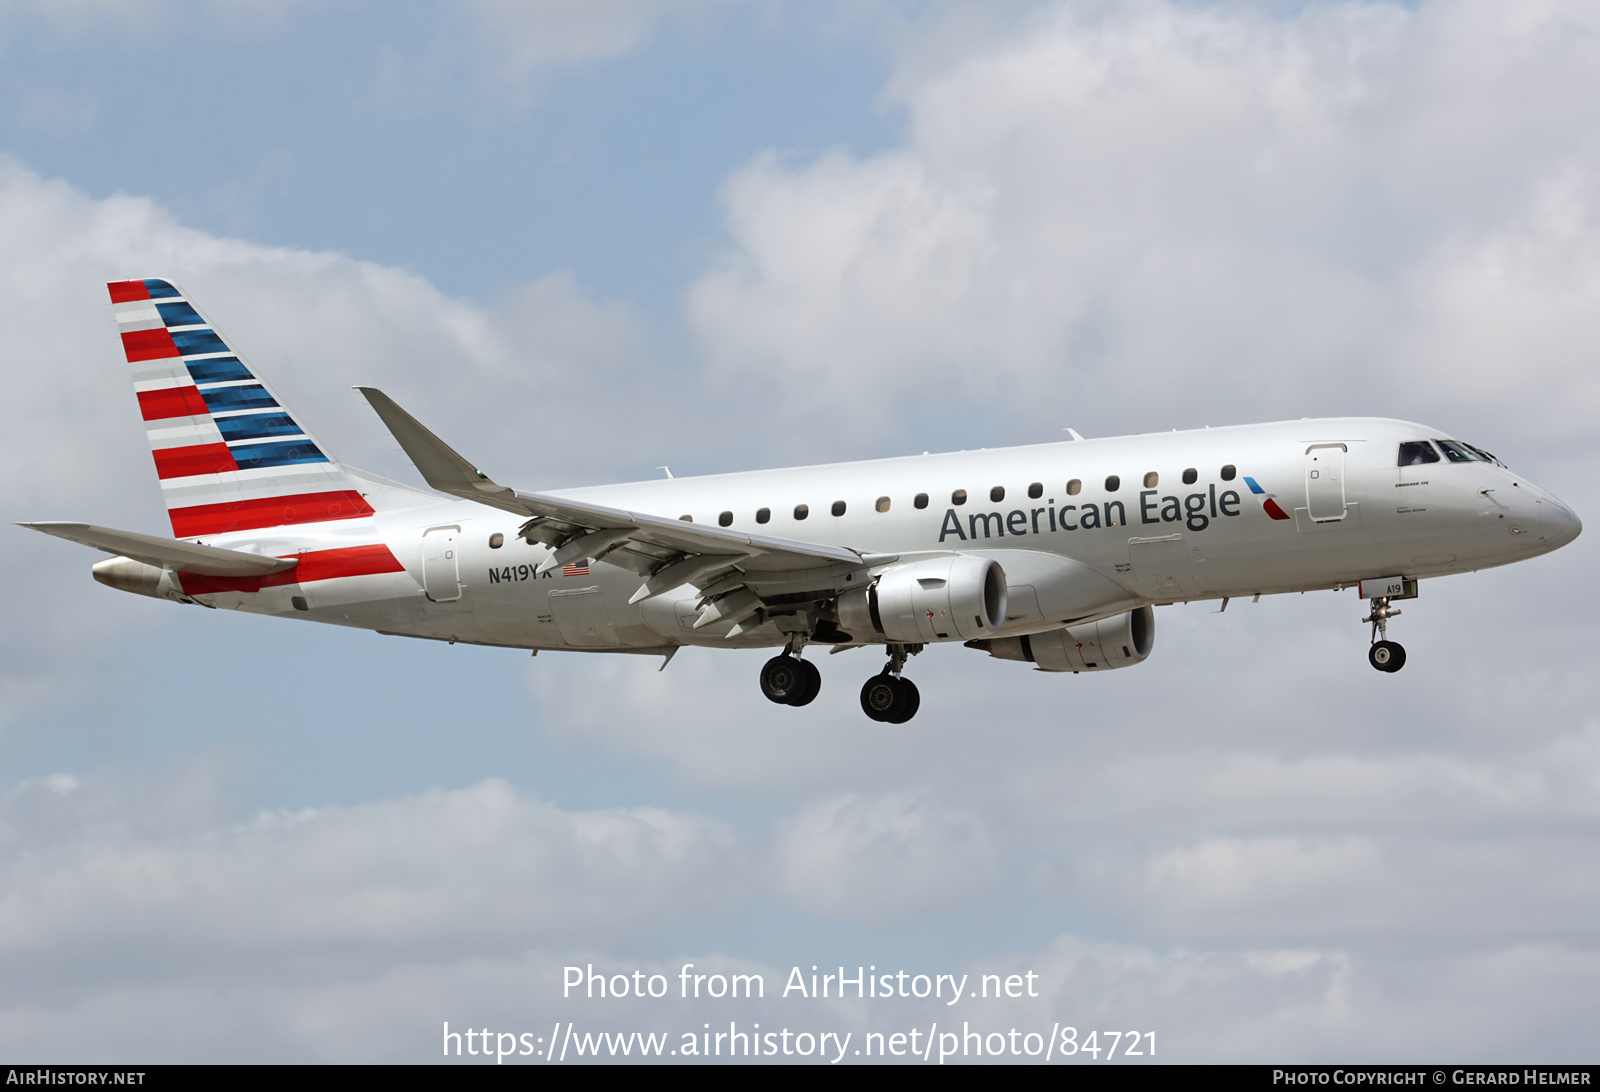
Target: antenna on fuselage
[[668, 469], [1073, 433]]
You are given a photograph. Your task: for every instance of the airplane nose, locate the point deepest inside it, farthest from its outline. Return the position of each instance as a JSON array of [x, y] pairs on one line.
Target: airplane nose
[[1561, 524]]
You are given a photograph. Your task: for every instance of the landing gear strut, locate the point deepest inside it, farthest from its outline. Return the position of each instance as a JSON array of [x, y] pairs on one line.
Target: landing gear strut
[[1385, 655], [789, 680], [887, 696]]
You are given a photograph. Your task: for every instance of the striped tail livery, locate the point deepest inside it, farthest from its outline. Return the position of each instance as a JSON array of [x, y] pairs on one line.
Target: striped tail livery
[[230, 455]]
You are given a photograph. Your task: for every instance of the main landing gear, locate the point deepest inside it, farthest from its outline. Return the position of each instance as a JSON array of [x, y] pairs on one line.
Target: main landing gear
[[887, 697], [1385, 655], [789, 680]]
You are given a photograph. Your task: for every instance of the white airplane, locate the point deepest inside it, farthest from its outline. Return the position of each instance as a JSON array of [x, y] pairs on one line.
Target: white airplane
[[1053, 554]]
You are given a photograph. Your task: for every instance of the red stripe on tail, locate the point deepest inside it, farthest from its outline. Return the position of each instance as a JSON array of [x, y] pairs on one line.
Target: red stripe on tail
[[214, 519], [316, 565], [148, 344], [172, 402], [184, 462], [127, 291]]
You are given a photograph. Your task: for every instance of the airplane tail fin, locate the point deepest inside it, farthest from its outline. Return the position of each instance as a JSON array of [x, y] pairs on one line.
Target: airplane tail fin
[[230, 455]]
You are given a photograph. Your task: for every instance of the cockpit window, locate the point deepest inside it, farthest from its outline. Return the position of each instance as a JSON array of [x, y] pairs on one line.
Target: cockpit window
[[1458, 452], [1417, 452]]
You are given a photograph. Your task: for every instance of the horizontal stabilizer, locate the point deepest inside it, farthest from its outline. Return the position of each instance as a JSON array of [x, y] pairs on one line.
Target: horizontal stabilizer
[[183, 557]]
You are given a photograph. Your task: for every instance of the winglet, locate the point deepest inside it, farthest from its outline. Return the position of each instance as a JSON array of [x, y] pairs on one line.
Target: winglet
[[441, 466]]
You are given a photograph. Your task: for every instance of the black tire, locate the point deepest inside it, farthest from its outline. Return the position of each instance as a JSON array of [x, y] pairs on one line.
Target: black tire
[[783, 678], [883, 697], [913, 702], [813, 684], [1387, 656]]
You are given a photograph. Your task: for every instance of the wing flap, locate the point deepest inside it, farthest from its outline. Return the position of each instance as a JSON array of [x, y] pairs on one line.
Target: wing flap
[[183, 557]]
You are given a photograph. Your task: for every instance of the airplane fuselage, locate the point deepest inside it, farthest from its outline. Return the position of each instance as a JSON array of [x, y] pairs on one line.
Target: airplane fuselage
[[1082, 529]]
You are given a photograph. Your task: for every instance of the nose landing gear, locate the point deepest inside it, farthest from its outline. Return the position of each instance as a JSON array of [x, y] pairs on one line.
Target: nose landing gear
[[887, 696], [1385, 655]]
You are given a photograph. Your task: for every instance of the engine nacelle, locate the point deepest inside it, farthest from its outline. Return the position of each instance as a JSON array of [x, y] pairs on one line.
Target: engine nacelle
[[953, 598], [1121, 641]]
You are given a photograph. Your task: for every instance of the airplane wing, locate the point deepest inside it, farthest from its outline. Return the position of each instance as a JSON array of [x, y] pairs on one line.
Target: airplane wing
[[183, 557], [732, 567]]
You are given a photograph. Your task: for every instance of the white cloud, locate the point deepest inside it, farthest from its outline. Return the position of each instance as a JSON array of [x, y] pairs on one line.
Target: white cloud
[[883, 857], [396, 877], [1228, 872], [1167, 214]]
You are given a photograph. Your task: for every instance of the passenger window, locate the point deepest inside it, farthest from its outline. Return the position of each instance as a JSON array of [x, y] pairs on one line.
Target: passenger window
[[838, 508], [687, 519], [1113, 483], [958, 497], [920, 501], [1458, 452], [882, 505], [763, 515], [1229, 472], [1191, 476], [801, 511], [725, 520], [1036, 490], [1074, 487], [496, 540], [1151, 479], [1416, 453], [997, 494]]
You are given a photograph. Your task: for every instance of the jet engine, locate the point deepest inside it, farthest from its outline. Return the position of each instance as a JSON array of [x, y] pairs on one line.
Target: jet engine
[[1120, 641], [953, 598]]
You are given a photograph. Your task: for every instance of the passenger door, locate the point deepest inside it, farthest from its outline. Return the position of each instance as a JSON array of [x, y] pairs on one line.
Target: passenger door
[[1325, 482]]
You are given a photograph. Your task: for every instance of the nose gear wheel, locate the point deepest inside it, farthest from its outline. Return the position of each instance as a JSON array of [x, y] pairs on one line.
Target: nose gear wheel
[[1385, 655]]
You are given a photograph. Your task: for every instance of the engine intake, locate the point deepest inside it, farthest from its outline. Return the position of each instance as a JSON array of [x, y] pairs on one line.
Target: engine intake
[[1120, 641], [953, 598]]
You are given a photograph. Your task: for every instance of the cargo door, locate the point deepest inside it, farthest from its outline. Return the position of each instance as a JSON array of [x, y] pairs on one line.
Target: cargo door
[[441, 572]]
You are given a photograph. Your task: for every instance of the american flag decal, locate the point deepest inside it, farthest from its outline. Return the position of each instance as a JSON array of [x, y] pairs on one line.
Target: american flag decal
[[577, 568]]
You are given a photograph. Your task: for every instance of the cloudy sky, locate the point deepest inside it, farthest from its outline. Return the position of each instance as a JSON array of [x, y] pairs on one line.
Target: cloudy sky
[[598, 237]]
